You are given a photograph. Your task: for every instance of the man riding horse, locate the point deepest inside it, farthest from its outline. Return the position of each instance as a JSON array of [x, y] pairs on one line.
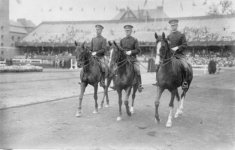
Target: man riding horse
[[178, 44], [98, 47], [131, 47]]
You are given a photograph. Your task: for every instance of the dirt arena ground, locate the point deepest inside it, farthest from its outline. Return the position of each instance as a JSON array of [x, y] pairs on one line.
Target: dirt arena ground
[[208, 121]]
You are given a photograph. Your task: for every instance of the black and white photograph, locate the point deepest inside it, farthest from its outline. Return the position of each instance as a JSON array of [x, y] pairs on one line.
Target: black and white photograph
[[117, 74]]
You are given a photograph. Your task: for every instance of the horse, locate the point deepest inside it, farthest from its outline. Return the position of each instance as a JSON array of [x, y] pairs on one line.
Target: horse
[[90, 74], [124, 77], [170, 76]]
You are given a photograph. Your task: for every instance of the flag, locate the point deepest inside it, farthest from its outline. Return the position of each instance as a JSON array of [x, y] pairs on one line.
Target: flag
[[117, 8], [145, 2], [205, 2], [181, 6], [61, 8], [18, 1], [93, 9], [50, 10], [104, 8], [71, 9], [194, 3], [162, 3], [81, 9]]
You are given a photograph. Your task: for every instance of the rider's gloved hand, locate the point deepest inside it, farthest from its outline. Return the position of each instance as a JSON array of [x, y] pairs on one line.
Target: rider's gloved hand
[[128, 52], [93, 53], [175, 48]]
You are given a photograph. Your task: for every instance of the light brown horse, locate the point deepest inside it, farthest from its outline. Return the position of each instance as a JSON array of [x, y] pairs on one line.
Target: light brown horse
[[170, 77]]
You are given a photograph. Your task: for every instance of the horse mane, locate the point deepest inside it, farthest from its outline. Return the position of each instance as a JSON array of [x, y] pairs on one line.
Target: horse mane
[[176, 63]]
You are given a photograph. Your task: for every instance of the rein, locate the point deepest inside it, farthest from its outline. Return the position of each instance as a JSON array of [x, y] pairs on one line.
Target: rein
[[168, 60]]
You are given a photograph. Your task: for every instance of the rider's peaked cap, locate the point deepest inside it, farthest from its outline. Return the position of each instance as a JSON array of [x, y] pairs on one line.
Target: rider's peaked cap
[[99, 26], [128, 26], [173, 21]]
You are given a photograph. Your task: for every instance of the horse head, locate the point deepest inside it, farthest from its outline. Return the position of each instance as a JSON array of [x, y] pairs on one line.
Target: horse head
[[116, 53], [82, 54], [162, 48]]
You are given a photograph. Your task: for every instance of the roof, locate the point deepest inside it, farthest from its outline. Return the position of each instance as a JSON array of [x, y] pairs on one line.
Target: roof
[[17, 27], [142, 14], [26, 23], [197, 29]]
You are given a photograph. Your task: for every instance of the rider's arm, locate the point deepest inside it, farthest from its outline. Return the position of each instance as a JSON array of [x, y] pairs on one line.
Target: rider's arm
[[183, 46], [136, 49], [103, 47]]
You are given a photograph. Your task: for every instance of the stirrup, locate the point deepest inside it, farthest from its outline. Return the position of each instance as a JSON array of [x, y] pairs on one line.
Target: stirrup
[[140, 88], [113, 87], [155, 84], [184, 85], [102, 83]]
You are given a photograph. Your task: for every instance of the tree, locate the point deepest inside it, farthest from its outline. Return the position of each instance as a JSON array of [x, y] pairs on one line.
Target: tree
[[224, 7]]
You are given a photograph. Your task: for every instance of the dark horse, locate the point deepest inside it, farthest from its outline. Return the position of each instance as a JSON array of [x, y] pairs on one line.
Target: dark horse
[[124, 77], [90, 74], [170, 76]]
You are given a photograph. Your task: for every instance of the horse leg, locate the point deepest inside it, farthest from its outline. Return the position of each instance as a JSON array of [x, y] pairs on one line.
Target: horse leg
[[106, 91], [178, 99], [181, 106], [83, 87], [133, 99], [157, 102], [95, 98], [128, 92], [171, 106], [105, 95], [120, 105]]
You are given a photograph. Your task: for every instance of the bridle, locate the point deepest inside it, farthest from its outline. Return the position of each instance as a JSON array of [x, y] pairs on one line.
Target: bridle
[[164, 61]]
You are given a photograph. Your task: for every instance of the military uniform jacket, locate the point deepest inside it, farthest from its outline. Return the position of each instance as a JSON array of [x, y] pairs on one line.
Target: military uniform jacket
[[178, 39], [98, 45], [130, 44]]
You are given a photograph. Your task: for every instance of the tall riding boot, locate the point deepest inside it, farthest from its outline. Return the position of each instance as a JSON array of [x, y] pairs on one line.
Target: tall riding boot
[[185, 83], [140, 88], [102, 82]]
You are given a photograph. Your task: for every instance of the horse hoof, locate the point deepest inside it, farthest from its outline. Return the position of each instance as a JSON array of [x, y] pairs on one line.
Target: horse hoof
[[132, 110], [78, 114], [168, 124], [157, 120], [95, 112], [119, 118], [106, 106], [178, 113], [100, 107]]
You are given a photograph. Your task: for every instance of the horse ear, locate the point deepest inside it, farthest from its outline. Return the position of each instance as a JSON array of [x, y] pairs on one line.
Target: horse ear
[[163, 36], [75, 42], [114, 42], [83, 45], [110, 43], [156, 36]]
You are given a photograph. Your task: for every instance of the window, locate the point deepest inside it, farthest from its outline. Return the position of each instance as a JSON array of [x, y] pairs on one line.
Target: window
[[2, 44], [2, 52], [12, 44], [2, 36], [18, 38], [12, 38], [2, 27]]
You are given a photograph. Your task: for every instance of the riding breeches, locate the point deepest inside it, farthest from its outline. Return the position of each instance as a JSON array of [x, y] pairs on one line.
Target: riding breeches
[[104, 65]]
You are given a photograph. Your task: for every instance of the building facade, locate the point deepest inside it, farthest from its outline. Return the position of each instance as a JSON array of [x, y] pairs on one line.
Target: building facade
[[4, 23]]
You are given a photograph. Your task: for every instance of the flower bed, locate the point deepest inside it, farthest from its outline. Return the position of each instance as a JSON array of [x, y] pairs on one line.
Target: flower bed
[[24, 68]]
